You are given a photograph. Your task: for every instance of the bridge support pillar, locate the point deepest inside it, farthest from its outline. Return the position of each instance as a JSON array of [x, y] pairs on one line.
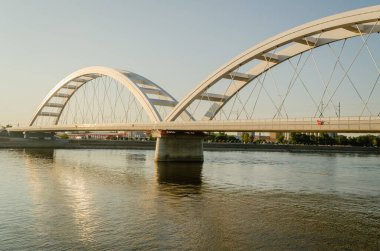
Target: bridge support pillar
[[178, 146]]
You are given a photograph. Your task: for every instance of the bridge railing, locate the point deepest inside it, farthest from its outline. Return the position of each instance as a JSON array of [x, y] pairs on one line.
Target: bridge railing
[[346, 124], [328, 124]]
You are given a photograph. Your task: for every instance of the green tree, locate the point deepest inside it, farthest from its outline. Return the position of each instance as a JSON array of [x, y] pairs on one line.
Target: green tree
[[221, 137], [281, 138], [325, 139], [63, 136], [231, 138], [245, 138]]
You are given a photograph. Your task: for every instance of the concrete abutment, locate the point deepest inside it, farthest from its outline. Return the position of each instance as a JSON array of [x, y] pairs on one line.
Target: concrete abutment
[[178, 146]]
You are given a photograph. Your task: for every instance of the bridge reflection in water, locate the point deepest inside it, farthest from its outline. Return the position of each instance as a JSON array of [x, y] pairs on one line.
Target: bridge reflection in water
[[39, 154], [180, 173], [176, 173]]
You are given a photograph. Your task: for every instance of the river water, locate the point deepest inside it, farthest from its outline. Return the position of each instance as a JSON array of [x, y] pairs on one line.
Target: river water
[[122, 200]]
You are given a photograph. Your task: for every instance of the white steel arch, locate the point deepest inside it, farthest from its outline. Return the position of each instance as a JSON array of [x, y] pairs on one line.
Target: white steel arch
[[136, 84], [276, 50]]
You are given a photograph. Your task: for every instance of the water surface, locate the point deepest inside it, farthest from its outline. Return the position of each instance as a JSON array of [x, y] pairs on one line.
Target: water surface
[[121, 199]]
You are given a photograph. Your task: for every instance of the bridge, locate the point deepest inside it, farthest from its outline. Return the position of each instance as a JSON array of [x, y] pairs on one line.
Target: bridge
[[318, 77]]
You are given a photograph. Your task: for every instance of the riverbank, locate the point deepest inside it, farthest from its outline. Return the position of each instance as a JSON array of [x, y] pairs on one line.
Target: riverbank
[[290, 148], [20, 143]]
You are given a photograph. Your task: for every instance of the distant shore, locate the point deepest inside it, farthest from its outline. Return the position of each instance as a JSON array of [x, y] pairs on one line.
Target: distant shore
[[20, 143]]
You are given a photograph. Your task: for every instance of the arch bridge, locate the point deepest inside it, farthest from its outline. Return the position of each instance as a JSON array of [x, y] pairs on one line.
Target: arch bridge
[[318, 77]]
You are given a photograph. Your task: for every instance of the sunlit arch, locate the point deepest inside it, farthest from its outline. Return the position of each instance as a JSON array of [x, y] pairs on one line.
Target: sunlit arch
[[139, 86], [277, 50]]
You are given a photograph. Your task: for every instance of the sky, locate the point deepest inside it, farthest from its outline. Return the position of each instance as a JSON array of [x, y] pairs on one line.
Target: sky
[[174, 43]]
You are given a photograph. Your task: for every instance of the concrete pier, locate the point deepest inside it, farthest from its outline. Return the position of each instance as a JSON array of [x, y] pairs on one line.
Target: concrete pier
[[178, 146]]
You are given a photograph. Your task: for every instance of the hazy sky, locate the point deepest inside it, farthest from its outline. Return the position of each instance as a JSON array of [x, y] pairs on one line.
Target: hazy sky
[[175, 43]]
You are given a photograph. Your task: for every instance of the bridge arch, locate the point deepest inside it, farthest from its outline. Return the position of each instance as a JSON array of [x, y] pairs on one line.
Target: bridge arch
[[139, 86], [277, 50]]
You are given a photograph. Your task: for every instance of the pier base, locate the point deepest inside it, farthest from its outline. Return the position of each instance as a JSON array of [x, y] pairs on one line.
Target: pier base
[[178, 146]]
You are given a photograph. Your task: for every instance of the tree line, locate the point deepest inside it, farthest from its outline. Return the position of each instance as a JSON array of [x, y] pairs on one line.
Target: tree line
[[300, 139], [328, 139]]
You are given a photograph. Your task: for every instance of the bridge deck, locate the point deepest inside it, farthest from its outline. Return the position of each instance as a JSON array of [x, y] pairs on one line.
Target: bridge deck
[[347, 125]]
